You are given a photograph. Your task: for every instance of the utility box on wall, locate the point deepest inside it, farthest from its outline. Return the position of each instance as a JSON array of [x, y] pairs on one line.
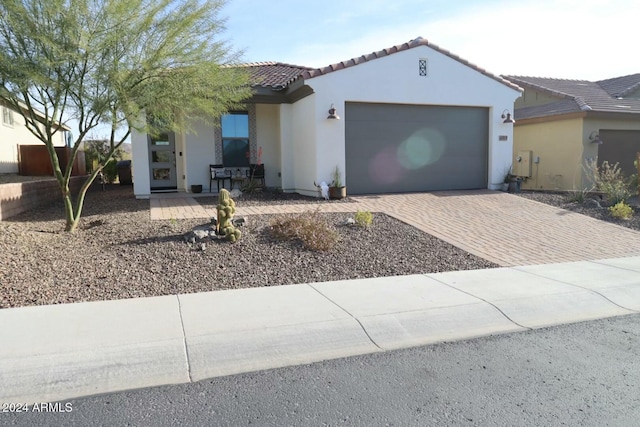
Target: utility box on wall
[[523, 163]]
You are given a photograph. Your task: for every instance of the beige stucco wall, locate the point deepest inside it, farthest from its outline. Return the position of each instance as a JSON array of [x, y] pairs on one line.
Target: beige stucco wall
[[198, 151], [268, 138], [531, 98], [304, 123], [560, 145], [564, 149]]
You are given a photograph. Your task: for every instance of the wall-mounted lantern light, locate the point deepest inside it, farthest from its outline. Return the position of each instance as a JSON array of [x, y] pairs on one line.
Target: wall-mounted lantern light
[[506, 115], [595, 138], [333, 113]]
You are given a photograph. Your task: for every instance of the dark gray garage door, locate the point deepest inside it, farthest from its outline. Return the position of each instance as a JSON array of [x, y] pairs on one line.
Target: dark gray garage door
[[394, 148], [619, 146]]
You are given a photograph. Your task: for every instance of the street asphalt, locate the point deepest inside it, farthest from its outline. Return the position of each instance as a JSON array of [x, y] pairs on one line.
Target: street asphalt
[[53, 353]]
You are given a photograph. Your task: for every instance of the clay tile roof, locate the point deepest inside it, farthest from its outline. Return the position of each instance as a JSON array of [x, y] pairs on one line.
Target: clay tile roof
[[419, 41], [274, 75], [582, 95], [277, 75], [619, 87]]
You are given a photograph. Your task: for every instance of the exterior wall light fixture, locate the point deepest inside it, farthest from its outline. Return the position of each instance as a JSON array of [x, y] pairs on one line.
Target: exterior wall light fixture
[[595, 138], [332, 113], [506, 115]]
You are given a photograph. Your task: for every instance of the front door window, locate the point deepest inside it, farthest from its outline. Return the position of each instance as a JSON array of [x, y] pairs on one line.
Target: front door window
[[162, 162]]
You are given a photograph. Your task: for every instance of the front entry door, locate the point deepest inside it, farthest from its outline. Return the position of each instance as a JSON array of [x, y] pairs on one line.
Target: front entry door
[[162, 158]]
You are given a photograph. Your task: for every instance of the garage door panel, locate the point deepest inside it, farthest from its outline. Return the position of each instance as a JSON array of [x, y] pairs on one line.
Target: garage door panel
[[403, 148], [620, 146]]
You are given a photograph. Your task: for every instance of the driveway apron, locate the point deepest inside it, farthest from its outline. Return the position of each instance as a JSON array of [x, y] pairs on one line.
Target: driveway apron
[[507, 229]]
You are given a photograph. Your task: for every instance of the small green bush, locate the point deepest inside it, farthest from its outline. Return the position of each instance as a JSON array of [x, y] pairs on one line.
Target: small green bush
[[363, 218], [110, 172], [309, 227], [621, 211]]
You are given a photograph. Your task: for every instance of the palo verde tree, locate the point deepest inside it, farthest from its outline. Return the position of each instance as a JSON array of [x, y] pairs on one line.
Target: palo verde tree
[[149, 65]]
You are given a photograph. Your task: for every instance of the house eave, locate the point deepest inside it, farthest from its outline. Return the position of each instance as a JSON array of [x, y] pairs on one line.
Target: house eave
[[549, 118], [293, 93], [609, 115]]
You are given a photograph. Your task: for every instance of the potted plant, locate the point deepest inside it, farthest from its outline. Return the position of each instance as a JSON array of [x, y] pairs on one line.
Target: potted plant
[[337, 190], [512, 183], [507, 179]]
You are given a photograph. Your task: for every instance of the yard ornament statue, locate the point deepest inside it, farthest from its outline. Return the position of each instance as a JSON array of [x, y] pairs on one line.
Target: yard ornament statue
[[324, 189]]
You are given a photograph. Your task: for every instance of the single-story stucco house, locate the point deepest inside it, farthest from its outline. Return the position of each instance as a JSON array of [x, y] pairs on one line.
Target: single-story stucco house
[[14, 132], [413, 117], [563, 124]]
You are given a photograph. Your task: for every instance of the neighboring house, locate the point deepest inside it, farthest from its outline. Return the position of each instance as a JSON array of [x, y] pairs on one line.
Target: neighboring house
[[13, 133], [413, 117], [563, 124]]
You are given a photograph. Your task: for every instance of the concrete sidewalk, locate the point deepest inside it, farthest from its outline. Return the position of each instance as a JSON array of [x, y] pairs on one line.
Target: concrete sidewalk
[[57, 352]]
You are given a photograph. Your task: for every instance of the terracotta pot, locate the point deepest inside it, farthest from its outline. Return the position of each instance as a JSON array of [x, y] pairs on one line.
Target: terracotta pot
[[337, 192]]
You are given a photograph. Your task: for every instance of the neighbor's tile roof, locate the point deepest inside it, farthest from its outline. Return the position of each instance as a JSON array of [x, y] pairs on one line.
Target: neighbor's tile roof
[[274, 75], [579, 95], [278, 76], [619, 87]]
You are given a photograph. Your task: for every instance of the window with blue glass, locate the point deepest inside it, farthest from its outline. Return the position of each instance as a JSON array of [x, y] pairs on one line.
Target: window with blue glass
[[235, 139]]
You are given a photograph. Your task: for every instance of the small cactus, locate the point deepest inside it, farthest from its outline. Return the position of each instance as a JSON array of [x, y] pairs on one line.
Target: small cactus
[[226, 208]]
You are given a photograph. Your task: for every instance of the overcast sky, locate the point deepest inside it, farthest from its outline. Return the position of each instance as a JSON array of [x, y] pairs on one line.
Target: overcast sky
[[577, 39]]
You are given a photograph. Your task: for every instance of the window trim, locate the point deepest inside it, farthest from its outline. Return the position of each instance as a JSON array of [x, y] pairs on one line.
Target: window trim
[[7, 112]]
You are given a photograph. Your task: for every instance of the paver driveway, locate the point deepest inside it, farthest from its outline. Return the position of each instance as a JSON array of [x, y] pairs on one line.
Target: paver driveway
[[500, 227]]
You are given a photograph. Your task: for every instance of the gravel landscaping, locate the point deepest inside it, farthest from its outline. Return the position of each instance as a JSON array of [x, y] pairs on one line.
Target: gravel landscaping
[[119, 253], [593, 206]]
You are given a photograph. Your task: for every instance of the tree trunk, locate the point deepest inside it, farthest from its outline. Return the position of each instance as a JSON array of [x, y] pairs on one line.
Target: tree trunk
[[73, 214]]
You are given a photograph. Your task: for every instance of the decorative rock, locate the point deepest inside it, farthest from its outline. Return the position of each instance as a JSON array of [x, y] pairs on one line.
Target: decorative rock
[[349, 221], [594, 201], [235, 193], [239, 221], [203, 246], [200, 234]]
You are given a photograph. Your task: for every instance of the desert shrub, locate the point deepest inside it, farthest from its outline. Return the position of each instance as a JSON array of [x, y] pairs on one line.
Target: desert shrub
[[621, 210], [110, 172], [363, 218], [309, 227], [634, 184], [610, 180], [96, 150], [578, 196]]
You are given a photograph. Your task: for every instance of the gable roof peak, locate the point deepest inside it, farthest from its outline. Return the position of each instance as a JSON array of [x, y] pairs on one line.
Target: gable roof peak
[[418, 41]]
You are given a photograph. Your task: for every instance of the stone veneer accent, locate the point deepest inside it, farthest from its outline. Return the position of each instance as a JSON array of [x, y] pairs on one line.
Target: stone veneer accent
[[19, 197]]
